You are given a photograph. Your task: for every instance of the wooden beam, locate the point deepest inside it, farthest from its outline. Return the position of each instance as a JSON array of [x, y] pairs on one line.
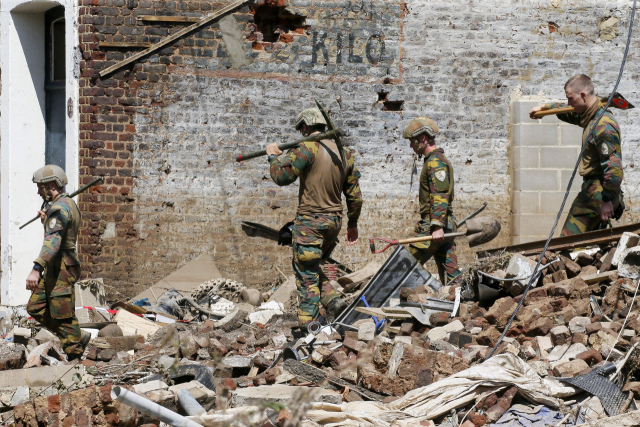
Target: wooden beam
[[597, 278], [379, 313], [173, 37], [154, 18], [122, 44]]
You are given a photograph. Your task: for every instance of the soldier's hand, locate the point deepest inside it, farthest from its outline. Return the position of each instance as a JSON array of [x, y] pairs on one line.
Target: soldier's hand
[[273, 149], [32, 280], [437, 233], [606, 211], [352, 235], [535, 110], [42, 214]]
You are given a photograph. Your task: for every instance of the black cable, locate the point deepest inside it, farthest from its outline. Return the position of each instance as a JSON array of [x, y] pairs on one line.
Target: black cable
[[566, 194]]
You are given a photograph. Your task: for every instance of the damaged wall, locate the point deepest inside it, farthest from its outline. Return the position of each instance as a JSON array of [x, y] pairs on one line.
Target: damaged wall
[[165, 130]]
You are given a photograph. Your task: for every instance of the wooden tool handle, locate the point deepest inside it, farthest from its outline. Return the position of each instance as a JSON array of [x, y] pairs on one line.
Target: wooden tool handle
[[539, 114], [427, 238]]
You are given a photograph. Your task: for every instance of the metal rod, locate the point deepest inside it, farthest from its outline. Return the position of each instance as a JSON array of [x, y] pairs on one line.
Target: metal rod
[[91, 184]]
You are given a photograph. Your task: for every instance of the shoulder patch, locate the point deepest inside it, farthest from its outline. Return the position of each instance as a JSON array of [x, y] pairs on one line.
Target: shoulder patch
[[604, 149], [441, 175], [52, 223]]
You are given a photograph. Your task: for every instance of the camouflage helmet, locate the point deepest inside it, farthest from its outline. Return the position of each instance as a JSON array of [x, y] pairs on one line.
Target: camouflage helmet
[[50, 173], [420, 125], [310, 117]]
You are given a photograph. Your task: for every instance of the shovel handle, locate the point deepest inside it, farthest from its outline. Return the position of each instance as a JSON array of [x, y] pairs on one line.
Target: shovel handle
[[332, 134], [563, 110], [390, 243], [427, 238]]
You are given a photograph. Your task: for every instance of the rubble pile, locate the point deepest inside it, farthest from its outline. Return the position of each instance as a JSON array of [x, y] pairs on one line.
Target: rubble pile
[[234, 347]]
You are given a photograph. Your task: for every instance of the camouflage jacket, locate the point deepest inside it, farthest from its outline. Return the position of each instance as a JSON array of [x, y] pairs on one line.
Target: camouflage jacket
[[60, 232], [436, 192], [602, 158], [298, 161]]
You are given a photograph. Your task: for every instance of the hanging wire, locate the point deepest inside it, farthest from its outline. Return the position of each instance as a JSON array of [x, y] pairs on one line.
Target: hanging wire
[[566, 194]]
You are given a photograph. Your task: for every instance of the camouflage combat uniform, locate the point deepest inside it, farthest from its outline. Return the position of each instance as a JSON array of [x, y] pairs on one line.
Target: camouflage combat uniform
[[600, 168], [316, 227], [52, 304], [435, 197]]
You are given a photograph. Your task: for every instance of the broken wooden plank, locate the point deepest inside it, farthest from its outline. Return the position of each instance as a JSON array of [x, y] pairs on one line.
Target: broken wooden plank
[[393, 329], [154, 18], [123, 44], [597, 278], [173, 37], [396, 310], [598, 237], [396, 358], [316, 376], [379, 313]]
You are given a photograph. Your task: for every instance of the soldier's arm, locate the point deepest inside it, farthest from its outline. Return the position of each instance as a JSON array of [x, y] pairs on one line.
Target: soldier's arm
[[55, 226], [439, 182], [351, 190], [573, 118], [607, 140], [285, 172]]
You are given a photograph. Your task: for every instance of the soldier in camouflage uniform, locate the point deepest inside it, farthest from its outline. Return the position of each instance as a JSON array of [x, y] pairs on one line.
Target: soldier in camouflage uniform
[[57, 268], [601, 163], [315, 230], [435, 197]]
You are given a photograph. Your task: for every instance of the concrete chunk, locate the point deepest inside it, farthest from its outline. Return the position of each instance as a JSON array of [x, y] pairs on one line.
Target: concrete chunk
[[577, 325], [629, 264], [279, 393], [238, 361], [570, 369], [628, 240]]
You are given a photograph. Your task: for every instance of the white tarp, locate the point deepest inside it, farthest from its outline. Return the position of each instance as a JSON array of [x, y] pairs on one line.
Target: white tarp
[[429, 402]]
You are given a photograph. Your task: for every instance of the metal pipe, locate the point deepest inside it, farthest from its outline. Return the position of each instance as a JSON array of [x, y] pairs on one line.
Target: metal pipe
[[189, 403], [151, 408]]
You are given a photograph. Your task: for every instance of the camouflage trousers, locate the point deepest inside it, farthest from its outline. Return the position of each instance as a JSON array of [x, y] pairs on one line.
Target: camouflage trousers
[[314, 236], [52, 304], [444, 254], [585, 211]]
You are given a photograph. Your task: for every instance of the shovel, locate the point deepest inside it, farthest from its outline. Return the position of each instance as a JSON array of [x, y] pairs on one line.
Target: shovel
[[480, 230]]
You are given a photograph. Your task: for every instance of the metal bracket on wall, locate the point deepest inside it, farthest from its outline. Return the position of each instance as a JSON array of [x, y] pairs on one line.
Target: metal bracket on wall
[[173, 37]]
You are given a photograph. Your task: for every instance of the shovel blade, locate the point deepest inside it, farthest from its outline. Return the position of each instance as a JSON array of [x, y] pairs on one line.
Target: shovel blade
[[481, 230]]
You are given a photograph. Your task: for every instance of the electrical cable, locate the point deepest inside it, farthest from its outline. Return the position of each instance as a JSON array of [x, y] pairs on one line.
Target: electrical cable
[[624, 323], [566, 194]]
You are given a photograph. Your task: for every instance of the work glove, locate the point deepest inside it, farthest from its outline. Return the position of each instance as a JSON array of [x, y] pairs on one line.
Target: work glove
[[284, 235]]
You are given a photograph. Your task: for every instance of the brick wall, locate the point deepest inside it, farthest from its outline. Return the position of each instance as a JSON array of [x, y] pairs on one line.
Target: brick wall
[[544, 155], [166, 129]]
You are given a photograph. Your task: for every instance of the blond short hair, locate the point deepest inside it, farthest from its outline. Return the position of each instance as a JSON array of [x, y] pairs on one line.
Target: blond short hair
[[580, 83]]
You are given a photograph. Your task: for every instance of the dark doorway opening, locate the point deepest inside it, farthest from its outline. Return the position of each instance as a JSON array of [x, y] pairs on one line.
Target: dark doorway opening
[[54, 86]]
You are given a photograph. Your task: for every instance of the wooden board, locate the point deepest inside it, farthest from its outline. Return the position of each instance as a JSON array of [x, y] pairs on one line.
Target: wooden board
[[597, 278], [379, 313], [135, 325], [123, 44], [173, 37], [393, 329], [154, 18]]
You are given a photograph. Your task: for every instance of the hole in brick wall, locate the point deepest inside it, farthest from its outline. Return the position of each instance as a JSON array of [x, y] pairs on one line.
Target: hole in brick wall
[[275, 23], [382, 96], [553, 27], [392, 105], [387, 81]]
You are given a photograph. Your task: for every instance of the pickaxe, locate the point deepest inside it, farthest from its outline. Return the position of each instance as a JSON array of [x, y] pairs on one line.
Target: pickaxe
[[479, 230], [618, 101], [335, 133]]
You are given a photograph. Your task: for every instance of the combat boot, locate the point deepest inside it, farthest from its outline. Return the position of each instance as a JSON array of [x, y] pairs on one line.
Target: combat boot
[[333, 306]]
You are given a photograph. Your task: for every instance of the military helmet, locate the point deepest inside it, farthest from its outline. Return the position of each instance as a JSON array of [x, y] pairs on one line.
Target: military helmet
[[50, 173], [420, 125], [310, 117]]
